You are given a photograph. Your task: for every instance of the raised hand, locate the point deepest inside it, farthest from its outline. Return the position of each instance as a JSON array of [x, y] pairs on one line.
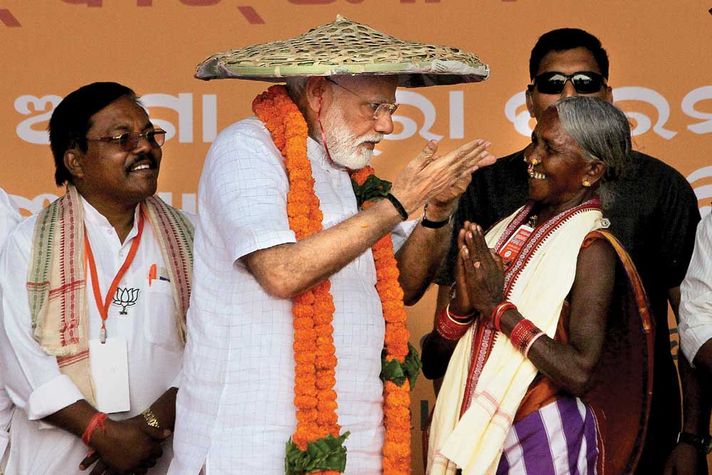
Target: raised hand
[[483, 270], [460, 304], [439, 177]]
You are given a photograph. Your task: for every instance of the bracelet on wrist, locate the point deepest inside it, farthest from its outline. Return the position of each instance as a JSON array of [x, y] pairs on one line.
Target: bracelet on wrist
[[98, 421], [398, 206], [450, 326], [426, 223], [523, 335], [499, 311], [457, 317], [150, 418], [702, 443], [531, 343]]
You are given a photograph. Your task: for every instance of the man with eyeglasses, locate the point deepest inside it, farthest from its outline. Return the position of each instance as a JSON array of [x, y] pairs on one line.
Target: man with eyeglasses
[[292, 307], [95, 289], [654, 214]]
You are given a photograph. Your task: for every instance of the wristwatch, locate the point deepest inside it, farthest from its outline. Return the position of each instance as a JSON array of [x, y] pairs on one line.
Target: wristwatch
[[702, 443], [426, 223]]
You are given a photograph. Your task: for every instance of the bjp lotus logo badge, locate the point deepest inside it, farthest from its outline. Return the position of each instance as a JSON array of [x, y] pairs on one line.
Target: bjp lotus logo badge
[[125, 298]]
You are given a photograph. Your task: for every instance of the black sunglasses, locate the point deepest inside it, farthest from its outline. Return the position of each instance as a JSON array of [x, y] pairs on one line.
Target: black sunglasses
[[553, 82]]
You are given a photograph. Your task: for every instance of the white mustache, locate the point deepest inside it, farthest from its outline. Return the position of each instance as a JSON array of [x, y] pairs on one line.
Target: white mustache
[[375, 139]]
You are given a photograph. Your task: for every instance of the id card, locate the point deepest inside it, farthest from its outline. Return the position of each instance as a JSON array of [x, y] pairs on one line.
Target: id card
[[514, 245], [109, 367]]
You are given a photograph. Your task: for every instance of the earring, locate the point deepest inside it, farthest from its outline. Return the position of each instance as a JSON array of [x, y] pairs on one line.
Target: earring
[[586, 183]]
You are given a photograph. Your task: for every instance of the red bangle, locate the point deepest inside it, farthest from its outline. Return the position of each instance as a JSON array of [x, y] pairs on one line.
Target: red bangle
[[499, 311], [523, 333], [452, 328], [96, 422]]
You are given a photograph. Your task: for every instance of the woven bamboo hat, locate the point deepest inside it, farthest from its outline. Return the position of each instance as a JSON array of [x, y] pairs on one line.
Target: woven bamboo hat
[[345, 47]]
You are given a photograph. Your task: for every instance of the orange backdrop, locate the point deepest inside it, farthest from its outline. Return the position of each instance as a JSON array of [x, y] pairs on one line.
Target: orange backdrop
[[661, 72]]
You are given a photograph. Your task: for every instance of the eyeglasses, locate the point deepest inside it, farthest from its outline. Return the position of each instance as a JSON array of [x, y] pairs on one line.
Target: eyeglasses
[[380, 109], [128, 141], [553, 82]]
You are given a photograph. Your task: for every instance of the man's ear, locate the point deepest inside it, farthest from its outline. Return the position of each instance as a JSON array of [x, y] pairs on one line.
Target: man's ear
[[73, 163], [530, 104], [314, 91], [609, 94]]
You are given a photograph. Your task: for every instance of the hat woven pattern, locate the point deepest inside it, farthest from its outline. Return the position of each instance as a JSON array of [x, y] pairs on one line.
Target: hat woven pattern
[[346, 47]]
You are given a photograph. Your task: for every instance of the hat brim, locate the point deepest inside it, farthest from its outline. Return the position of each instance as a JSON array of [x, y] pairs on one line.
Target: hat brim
[[346, 48]]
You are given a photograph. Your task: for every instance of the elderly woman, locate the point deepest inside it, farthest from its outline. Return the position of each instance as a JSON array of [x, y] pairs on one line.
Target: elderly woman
[[536, 318]]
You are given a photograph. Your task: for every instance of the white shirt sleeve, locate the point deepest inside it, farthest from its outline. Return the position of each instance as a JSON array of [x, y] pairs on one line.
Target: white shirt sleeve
[[402, 232], [32, 377], [9, 216], [244, 190], [696, 294]]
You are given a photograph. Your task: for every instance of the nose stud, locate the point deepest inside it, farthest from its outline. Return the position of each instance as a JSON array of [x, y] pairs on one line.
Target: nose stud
[[531, 161]]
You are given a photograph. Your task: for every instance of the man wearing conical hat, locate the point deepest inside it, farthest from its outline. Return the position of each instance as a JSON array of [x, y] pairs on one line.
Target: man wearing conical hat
[[298, 299]]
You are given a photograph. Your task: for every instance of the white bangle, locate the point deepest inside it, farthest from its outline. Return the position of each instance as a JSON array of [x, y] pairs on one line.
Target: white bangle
[[462, 320], [531, 342]]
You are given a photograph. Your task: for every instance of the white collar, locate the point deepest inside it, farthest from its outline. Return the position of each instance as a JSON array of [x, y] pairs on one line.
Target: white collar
[[94, 219]]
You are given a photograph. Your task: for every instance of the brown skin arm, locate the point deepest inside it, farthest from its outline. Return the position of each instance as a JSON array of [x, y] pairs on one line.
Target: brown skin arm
[[128, 446], [703, 358], [569, 365], [287, 270], [421, 255], [696, 400], [419, 259], [436, 350]]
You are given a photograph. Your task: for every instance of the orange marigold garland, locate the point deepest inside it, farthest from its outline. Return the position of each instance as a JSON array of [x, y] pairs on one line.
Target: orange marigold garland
[[316, 446], [400, 361]]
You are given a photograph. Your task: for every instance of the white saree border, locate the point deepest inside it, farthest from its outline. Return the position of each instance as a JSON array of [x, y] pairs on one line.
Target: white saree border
[[474, 441]]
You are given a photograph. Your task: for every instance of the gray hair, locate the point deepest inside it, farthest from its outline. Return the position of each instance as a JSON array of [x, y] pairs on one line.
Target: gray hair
[[296, 86], [603, 133]]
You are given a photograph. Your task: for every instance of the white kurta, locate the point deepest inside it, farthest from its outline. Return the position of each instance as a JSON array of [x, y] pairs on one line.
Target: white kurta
[[235, 409], [696, 293], [9, 217], [33, 379]]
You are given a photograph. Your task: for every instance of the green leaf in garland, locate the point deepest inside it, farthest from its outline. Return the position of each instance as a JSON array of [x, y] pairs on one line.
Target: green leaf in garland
[[373, 188], [327, 453], [397, 372]]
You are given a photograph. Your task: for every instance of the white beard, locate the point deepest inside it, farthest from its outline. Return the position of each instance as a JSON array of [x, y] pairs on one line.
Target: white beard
[[344, 148]]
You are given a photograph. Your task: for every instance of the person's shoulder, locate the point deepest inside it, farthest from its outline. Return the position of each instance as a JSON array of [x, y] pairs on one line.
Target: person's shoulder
[[186, 215], [244, 137], [649, 167], [250, 127], [705, 225], [6, 202], [21, 235], [656, 179]]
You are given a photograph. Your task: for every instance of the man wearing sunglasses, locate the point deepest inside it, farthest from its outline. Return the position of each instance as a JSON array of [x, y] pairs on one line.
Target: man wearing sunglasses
[[654, 214], [95, 289]]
